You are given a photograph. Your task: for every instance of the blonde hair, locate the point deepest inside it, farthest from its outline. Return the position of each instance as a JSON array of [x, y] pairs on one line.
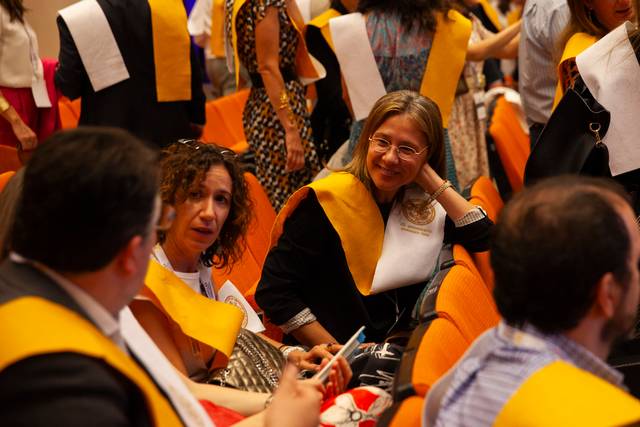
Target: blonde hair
[[424, 113]]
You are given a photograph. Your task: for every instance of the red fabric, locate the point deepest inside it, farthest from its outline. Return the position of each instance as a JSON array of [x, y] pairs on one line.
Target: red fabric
[[43, 121], [221, 417]]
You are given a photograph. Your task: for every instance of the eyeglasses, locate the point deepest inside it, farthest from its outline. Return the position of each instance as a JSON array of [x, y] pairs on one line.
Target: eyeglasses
[[404, 152], [166, 217], [196, 145]]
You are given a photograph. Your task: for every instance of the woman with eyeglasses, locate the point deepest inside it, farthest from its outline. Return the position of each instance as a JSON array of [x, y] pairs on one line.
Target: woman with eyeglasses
[[179, 305], [357, 247]]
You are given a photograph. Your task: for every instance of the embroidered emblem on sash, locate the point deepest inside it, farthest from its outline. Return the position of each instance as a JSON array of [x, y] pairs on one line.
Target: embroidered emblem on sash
[[235, 302], [418, 211]]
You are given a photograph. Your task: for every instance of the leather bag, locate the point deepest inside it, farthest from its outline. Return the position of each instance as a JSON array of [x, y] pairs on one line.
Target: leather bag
[[571, 142], [254, 365]]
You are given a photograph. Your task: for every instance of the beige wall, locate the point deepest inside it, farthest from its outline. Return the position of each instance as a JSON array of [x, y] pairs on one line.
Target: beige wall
[[42, 17]]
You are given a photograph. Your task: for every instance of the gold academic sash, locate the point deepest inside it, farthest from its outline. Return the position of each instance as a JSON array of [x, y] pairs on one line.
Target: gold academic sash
[[491, 13], [33, 326], [514, 15], [446, 61], [215, 324], [578, 43], [353, 214], [171, 50], [561, 394], [322, 23], [216, 41], [304, 66]]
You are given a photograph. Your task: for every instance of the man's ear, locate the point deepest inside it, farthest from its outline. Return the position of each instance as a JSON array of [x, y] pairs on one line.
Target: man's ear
[[128, 257], [608, 292]]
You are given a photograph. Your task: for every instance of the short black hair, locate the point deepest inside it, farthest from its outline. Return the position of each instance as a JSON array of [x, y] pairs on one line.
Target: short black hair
[[86, 193], [550, 247]]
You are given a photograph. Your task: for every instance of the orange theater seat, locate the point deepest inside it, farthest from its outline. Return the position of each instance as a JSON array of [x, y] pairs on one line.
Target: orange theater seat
[[512, 143], [9, 160], [407, 413], [69, 112], [462, 257], [224, 121], [485, 195], [4, 178]]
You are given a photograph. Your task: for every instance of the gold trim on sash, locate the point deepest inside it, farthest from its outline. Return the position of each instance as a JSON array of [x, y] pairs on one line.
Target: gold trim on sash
[[216, 40], [210, 322], [491, 13], [446, 61], [32, 326], [304, 64], [355, 217], [578, 43], [322, 23], [561, 394], [171, 50]]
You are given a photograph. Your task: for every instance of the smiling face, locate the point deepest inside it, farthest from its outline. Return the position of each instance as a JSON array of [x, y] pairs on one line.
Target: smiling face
[[387, 171], [612, 13], [202, 214]]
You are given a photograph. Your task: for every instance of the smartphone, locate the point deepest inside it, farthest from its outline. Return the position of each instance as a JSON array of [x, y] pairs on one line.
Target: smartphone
[[347, 350]]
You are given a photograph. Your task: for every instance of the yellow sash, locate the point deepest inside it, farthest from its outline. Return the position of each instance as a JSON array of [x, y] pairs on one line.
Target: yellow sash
[[322, 22], [562, 395], [355, 217], [216, 41], [578, 43], [304, 66], [213, 323], [171, 50], [446, 61], [31, 326], [491, 13], [514, 15]]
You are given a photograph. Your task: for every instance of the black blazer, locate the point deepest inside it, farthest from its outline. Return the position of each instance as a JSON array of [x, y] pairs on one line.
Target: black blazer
[[62, 389]]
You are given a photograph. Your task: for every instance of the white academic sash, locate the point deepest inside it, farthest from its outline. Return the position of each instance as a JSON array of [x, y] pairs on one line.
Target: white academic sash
[[412, 242], [305, 9], [611, 71], [96, 44], [357, 63], [165, 375]]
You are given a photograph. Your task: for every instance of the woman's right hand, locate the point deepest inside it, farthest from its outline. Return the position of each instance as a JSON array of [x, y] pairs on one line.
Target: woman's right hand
[[295, 151], [27, 138]]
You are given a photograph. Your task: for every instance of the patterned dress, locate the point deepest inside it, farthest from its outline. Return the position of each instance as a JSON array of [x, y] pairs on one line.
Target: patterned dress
[[467, 131], [401, 57], [265, 134]]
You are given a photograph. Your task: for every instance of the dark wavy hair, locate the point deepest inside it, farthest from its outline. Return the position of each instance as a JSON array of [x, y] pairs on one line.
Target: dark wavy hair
[[15, 8], [184, 165], [411, 12], [551, 246]]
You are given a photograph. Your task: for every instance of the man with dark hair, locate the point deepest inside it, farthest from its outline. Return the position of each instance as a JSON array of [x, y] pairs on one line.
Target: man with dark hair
[[565, 254], [83, 232]]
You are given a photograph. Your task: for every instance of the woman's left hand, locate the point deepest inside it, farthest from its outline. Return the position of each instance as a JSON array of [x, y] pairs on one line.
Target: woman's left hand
[[429, 179], [312, 359]]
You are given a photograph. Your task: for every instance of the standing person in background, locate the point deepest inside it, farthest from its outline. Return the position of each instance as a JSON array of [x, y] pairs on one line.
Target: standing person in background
[[132, 64], [206, 25], [26, 104], [331, 118], [266, 38]]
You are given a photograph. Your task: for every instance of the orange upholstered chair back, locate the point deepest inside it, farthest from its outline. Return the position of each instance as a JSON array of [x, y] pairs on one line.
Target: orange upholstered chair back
[[465, 300], [407, 413], [9, 160], [224, 121], [485, 195], [69, 112], [511, 141], [462, 257], [4, 178]]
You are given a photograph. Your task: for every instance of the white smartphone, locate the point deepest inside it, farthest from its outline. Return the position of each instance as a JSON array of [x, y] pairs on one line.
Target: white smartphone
[[347, 350]]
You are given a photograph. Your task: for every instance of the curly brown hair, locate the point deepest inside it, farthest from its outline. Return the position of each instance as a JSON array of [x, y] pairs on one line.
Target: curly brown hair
[[185, 164]]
